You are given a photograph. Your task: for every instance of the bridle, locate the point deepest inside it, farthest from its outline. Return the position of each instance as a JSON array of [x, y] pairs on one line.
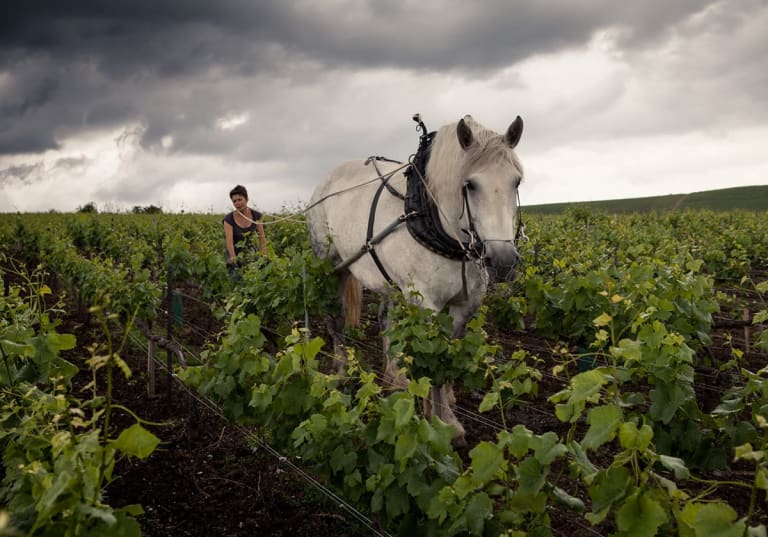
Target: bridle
[[471, 230], [476, 244]]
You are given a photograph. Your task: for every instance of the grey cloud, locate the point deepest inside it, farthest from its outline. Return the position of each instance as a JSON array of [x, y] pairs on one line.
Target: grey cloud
[[25, 139], [176, 66], [70, 163], [23, 100], [173, 37], [24, 173]]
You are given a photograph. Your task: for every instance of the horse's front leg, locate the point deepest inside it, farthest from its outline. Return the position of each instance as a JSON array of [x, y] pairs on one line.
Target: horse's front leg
[[442, 399], [459, 330], [440, 403], [335, 327], [392, 373]]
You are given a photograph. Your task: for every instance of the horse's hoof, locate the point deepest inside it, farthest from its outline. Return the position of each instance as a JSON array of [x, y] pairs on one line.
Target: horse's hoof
[[459, 442]]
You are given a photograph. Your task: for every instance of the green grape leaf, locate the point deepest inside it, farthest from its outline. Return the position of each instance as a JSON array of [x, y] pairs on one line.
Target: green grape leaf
[[136, 441], [479, 508], [641, 516], [603, 422], [706, 519], [487, 462], [405, 447], [404, 410], [490, 400], [630, 437], [675, 465]]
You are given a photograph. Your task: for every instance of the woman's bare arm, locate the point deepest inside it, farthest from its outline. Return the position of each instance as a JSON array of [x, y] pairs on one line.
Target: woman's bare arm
[[229, 236]]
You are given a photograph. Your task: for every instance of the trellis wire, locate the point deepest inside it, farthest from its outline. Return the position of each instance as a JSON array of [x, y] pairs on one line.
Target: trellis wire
[[211, 406]]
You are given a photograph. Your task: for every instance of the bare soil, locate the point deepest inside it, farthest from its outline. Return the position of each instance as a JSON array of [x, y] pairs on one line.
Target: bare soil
[[207, 478]]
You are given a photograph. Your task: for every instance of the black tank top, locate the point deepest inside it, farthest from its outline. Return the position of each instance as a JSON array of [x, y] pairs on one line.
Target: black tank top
[[240, 234]]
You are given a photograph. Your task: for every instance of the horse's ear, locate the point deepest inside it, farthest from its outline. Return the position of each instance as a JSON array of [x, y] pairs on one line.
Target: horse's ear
[[464, 133], [514, 132]]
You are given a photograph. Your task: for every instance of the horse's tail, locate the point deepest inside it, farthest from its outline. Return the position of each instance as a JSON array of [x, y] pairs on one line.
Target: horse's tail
[[353, 299]]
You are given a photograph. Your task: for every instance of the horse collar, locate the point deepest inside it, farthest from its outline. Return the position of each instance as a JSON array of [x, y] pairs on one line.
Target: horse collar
[[423, 221]]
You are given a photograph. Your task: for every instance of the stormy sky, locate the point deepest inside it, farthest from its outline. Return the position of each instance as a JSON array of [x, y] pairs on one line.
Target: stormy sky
[[172, 103]]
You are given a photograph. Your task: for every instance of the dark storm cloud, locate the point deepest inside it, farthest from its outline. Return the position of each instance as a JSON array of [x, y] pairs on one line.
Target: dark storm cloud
[[174, 37], [79, 65]]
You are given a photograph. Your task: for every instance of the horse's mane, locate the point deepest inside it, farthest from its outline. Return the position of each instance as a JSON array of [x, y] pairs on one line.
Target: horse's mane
[[449, 164]]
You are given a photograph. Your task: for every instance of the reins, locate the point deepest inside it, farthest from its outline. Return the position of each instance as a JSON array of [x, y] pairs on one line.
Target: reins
[[355, 187], [248, 218], [387, 176]]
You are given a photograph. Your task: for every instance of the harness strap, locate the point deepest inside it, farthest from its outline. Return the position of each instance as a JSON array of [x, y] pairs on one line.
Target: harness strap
[[474, 238], [370, 240], [366, 248], [464, 293], [520, 233], [369, 235], [392, 190]]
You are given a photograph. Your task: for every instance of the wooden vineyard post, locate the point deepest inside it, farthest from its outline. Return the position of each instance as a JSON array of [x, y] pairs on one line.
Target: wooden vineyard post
[[747, 331], [151, 377], [169, 327]]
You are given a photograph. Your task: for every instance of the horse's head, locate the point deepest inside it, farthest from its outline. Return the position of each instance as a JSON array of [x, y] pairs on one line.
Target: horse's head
[[485, 173]]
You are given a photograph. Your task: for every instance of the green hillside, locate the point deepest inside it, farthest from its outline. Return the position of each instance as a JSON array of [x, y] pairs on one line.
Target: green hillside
[[754, 198]]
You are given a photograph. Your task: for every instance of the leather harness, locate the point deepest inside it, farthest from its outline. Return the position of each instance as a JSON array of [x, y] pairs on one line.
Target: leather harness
[[421, 214]]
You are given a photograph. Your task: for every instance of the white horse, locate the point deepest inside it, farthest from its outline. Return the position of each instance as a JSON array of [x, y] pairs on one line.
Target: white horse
[[470, 182]]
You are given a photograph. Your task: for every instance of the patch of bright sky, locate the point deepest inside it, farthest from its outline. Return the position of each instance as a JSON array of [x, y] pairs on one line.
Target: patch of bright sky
[[68, 187], [649, 166], [232, 121]]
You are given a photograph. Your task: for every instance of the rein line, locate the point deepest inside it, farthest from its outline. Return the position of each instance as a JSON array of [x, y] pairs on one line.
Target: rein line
[[387, 176], [354, 187]]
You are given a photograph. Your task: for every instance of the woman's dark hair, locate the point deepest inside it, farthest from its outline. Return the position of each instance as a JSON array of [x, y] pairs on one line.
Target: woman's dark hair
[[239, 190]]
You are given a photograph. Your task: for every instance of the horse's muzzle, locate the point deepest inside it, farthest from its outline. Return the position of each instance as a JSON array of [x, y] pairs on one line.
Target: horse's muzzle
[[501, 261]]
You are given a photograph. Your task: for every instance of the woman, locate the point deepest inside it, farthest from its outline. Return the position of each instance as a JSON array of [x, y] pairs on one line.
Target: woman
[[239, 224]]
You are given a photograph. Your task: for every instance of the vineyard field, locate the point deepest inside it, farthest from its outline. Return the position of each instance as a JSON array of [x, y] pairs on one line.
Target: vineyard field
[[617, 386], [753, 198]]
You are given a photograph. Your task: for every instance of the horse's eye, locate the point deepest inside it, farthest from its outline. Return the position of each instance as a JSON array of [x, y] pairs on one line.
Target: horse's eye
[[469, 184]]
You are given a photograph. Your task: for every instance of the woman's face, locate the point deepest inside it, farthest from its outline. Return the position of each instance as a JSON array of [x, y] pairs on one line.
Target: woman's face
[[240, 202]]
